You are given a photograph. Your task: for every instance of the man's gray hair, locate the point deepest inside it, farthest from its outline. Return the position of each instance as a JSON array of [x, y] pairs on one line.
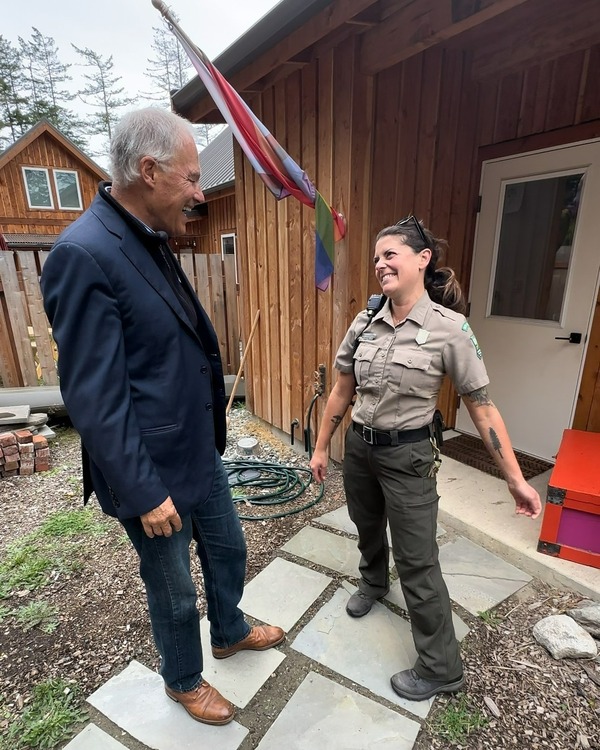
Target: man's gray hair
[[145, 132]]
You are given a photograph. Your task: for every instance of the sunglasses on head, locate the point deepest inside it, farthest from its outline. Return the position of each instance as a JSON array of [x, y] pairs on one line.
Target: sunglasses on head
[[413, 219]]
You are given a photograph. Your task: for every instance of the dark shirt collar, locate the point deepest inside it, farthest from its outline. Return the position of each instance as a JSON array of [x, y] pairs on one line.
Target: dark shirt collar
[[149, 236]]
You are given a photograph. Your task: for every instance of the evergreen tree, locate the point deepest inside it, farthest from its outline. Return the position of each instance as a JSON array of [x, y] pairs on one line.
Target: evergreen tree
[[46, 74], [102, 92], [43, 83], [169, 69], [14, 120]]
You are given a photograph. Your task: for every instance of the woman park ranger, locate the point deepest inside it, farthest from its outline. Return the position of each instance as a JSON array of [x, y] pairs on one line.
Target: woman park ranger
[[392, 364]]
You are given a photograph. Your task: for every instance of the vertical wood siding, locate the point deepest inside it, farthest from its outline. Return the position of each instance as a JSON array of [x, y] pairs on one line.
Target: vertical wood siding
[[16, 216], [407, 140]]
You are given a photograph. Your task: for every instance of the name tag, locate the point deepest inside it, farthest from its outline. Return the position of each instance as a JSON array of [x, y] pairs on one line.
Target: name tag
[[367, 337]]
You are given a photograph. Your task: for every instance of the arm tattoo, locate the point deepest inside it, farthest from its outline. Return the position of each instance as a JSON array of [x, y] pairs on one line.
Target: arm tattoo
[[495, 440], [336, 419], [479, 397]]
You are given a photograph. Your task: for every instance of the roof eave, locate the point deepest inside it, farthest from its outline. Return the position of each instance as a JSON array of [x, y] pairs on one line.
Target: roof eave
[[285, 17]]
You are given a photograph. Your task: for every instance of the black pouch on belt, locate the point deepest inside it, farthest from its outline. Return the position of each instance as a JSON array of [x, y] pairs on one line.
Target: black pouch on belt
[[438, 428]]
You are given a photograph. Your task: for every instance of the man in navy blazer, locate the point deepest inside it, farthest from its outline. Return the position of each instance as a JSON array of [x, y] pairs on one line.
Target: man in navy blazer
[[142, 380]]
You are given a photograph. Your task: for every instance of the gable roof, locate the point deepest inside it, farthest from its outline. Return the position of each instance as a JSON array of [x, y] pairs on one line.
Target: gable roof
[[43, 126], [216, 161]]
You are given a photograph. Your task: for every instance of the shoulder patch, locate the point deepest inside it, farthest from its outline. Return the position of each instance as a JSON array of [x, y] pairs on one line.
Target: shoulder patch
[[476, 345]]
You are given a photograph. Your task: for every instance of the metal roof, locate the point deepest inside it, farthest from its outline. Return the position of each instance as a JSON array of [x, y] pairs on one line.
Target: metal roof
[[20, 239], [216, 161]]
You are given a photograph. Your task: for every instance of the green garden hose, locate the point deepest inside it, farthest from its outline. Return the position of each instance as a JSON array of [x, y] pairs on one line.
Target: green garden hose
[[269, 484]]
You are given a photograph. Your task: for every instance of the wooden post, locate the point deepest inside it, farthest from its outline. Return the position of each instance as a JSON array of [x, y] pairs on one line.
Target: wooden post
[[239, 374]]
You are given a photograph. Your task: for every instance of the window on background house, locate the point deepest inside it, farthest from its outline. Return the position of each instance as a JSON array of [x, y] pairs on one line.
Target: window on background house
[[228, 247], [37, 187], [67, 189]]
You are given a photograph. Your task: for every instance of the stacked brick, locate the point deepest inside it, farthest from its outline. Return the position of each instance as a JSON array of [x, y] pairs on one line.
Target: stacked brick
[[23, 453]]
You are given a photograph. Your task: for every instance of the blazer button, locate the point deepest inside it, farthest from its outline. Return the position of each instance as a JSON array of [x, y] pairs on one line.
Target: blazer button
[[209, 407], [204, 369]]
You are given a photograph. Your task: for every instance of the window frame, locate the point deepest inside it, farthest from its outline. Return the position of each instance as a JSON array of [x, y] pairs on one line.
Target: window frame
[[29, 168], [224, 236], [68, 171]]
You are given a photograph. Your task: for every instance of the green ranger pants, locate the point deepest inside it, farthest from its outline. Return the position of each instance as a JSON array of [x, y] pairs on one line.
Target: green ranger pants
[[392, 483]]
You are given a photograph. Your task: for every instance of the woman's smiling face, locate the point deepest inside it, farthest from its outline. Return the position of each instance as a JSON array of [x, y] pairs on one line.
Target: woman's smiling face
[[399, 269]]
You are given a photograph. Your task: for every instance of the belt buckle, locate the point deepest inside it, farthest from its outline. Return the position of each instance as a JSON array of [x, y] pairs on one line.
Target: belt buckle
[[369, 439]]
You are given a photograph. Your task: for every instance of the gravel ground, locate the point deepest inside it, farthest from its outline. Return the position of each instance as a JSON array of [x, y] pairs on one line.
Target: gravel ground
[[526, 698]]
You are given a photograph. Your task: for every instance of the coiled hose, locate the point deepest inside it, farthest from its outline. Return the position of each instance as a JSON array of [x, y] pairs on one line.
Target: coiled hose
[[270, 484]]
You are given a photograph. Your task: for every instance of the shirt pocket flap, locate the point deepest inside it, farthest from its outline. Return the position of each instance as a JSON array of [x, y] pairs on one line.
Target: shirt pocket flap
[[366, 352], [412, 360]]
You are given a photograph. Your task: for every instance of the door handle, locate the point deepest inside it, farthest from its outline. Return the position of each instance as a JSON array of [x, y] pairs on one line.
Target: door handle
[[572, 338]]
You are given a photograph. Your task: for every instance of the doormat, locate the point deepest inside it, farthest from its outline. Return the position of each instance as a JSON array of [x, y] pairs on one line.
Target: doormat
[[471, 451]]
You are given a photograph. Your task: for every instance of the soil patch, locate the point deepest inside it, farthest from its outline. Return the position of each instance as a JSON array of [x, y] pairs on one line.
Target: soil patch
[[103, 623]]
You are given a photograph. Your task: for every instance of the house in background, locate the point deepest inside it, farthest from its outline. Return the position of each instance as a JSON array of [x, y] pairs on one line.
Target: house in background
[[483, 119], [213, 228], [46, 182]]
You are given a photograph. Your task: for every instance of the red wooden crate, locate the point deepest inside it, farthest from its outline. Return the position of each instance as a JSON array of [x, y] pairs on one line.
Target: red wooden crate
[[571, 524]]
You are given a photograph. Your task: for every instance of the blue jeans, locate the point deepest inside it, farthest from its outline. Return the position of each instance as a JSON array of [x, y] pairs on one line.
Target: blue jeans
[[171, 593]]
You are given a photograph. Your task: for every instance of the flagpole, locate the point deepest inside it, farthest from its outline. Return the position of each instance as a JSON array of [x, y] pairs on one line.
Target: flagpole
[[164, 10]]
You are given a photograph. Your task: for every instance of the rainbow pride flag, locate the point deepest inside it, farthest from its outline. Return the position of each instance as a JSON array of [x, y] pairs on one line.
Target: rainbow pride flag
[[280, 173]]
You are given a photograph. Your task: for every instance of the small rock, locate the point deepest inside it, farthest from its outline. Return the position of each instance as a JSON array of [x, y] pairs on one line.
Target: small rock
[[587, 614], [491, 704], [564, 638]]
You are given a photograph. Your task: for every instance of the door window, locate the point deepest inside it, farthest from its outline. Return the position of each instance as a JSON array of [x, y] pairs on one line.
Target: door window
[[537, 231]]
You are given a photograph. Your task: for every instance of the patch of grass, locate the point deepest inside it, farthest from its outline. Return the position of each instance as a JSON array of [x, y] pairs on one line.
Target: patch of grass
[[490, 618], [54, 471], [49, 719], [37, 614], [28, 562], [71, 523], [24, 566], [4, 612], [457, 721]]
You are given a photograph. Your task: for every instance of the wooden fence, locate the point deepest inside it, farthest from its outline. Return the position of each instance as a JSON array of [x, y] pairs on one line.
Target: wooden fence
[[27, 350]]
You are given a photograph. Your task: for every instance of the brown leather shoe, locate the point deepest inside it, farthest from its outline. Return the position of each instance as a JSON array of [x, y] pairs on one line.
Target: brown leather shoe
[[260, 638], [204, 704]]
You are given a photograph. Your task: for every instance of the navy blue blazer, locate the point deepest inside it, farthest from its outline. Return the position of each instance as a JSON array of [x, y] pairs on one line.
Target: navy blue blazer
[[143, 389]]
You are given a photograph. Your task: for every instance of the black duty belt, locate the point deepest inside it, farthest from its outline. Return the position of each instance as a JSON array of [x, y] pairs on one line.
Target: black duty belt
[[390, 437]]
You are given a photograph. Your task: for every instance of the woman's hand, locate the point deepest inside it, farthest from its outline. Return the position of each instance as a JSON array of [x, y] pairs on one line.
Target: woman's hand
[[527, 500], [318, 465]]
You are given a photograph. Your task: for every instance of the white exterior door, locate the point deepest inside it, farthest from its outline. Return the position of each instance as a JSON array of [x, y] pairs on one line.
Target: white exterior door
[[533, 288]]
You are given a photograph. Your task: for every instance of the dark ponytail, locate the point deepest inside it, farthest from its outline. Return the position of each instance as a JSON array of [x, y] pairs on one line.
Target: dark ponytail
[[441, 283]]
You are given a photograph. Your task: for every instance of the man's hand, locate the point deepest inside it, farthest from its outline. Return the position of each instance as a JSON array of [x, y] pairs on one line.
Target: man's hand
[[161, 521]]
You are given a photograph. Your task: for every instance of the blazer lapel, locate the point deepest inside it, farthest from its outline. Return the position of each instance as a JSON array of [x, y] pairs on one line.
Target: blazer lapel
[[142, 260], [140, 257]]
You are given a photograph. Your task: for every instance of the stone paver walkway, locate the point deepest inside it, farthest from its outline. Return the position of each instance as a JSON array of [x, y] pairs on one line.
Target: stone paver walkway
[[343, 699]]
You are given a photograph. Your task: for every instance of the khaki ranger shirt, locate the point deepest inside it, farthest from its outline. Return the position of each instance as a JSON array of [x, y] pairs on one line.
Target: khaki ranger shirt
[[399, 370]]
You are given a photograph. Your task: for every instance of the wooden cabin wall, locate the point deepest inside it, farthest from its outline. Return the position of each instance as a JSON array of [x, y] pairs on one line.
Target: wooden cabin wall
[[204, 234], [15, 214], [322, 115], [436, 120], [410, 139]]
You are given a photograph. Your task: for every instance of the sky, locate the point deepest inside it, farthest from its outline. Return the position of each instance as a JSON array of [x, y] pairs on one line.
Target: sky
[[123, 28]]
